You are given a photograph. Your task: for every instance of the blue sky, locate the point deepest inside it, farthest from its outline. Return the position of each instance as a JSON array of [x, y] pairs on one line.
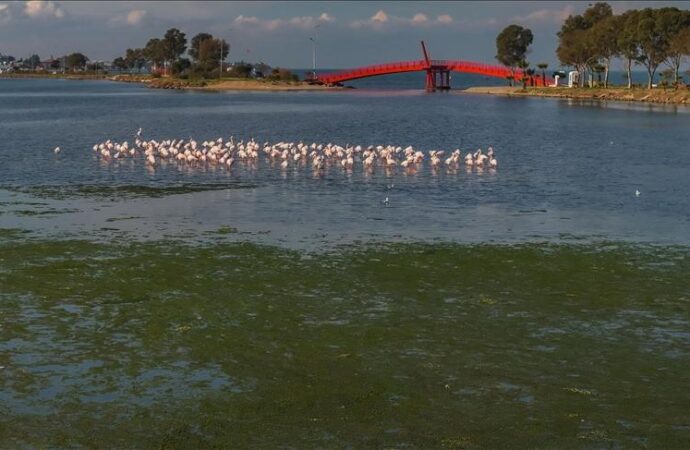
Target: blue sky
[[347, 33]]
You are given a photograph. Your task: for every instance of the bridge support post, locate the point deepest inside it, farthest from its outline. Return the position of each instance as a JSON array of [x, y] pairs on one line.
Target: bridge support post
[[430, 81], [437, 78]]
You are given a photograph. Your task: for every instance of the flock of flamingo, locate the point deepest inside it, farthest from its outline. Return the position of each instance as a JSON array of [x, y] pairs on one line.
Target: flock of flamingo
[[225, 153]]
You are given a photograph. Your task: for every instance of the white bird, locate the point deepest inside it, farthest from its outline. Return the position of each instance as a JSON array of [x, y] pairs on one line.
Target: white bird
[[637, 193], [57, 150]]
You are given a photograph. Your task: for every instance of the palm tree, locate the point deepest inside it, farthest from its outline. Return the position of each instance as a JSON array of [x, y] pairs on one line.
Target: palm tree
[[524, 66], [543, 67]]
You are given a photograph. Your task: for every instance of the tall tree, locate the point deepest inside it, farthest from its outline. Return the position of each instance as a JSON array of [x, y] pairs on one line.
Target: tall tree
[[652, 38], [120, 63], [512, 45], [210, 54], [627, 41], [154, 52], [679, 44], [174, 44], [135, 59], [603, 38], [573, 50], [196, 42], [576, 47]]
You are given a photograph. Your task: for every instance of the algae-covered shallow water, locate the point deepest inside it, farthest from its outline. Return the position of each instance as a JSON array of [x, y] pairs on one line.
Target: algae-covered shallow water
[[238, 345], [542, 305]]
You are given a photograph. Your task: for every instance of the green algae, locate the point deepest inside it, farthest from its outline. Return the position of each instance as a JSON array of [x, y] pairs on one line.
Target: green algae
[[62, 192], [237, 345]]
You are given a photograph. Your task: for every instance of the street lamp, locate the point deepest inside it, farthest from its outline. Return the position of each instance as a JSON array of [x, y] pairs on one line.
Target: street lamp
[[313, 57]]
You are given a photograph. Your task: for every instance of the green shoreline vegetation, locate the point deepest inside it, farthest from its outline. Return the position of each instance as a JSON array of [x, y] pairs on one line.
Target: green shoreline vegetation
[[168, 345]]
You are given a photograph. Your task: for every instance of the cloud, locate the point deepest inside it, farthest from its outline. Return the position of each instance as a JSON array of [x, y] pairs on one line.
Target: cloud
[[420, 18], [325, 17], [5, 13], [556, 16], [135, 16], [444, 18], [43, 9], [381, 19], [302, 22], [132, 18]]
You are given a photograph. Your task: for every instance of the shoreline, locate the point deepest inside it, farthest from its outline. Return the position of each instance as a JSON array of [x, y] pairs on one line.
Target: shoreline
[[637, 95], [227, 84]]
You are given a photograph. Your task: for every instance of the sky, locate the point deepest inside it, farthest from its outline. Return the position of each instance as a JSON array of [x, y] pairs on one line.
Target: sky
[[347, 34]]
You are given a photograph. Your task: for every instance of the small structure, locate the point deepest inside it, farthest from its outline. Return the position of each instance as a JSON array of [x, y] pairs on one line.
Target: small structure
[[573, 78]]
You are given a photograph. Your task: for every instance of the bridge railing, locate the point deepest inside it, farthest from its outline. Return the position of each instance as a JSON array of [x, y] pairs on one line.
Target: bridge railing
[[402, 66], [374, 69]]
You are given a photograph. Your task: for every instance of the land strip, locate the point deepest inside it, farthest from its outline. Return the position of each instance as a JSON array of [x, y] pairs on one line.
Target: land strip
[[679, 96]]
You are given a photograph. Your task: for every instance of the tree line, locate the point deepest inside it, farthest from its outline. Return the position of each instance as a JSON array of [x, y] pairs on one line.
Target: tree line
[[590, 41], [206, 57]]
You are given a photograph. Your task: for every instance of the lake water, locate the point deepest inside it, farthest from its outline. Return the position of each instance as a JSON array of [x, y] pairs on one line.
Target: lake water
[[543, 304]]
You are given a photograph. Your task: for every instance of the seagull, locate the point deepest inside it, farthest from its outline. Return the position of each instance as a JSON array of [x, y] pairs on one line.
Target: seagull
[[385, 201], [57, 150], [637, 193]]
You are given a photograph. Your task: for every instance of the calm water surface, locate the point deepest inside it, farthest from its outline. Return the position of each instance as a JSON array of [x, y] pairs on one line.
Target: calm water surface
[[541, 305]]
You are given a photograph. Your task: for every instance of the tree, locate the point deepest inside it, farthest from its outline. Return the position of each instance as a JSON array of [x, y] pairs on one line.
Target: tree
[[573, 51], [174, 45], [678, 49], [596, 13], [603, 39], [120, 63], [75, 61], [32, 62], [181, 65], [154, 52], [576, 46], [196, 42], [543, 67], [135, 59], [512, 45], [627, 41], [654, 27], [210, 54], [241, 70]]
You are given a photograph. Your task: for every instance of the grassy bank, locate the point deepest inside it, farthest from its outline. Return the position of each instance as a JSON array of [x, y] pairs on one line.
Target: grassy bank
[[658, 95]]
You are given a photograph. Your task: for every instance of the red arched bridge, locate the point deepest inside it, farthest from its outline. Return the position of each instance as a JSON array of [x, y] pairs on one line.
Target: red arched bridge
[[437, 72]]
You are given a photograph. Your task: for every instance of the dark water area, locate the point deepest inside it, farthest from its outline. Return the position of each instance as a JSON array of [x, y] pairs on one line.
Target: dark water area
[[539, 305]]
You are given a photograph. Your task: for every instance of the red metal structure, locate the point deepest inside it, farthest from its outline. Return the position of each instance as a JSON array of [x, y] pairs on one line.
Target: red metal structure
[[437, 71]]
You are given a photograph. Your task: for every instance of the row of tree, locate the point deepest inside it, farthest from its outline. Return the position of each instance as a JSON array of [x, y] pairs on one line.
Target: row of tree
[[71, 62], [206, 57], [649, 37], [589, 42]]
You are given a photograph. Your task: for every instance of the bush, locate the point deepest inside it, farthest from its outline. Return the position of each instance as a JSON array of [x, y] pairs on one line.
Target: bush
[[280, 74], [156, 75]]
